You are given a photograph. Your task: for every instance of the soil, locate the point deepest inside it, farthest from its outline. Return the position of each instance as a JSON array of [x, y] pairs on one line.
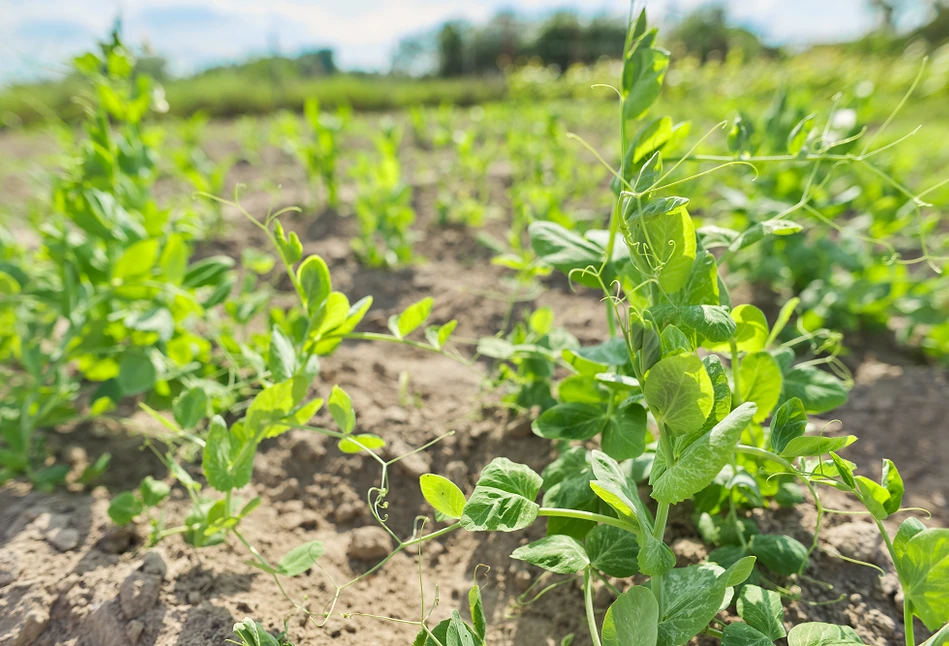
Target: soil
[[68, 576]]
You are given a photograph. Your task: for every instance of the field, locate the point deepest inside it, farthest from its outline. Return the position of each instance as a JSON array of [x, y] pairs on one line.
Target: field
[[204, 418]]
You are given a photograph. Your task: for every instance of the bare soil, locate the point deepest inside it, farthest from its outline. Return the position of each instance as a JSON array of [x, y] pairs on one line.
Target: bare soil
[[68, 576]]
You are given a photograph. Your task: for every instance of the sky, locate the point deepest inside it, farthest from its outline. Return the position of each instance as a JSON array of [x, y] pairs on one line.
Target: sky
[[38, 36]]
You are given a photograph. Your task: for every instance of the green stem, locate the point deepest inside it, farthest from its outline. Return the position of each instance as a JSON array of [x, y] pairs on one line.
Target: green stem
[[588, 602], [908, 622], [588, 515], [736, 365]]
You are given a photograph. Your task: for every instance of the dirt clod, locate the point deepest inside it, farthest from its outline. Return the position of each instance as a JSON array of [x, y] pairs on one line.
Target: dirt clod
[[134, 630], [24, 613], [861, 541], [10, 568], [64, 539], [138, 593], [153, 563], [369, 543]]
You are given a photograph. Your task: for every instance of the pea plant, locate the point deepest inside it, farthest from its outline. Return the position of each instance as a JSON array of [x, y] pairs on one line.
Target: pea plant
[[383, 205], [699, 401], [108, 304]]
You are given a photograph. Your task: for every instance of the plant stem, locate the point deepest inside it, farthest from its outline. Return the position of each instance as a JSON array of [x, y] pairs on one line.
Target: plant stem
[[588, 515], [908, 622], [588, 602], [736, 395]]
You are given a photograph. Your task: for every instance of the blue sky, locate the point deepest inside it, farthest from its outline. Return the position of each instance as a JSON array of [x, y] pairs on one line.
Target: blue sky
[[37, 36]]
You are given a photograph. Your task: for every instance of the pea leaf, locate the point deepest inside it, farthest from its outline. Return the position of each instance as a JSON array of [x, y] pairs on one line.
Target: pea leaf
[[924, 570], [300, 559], [190, 408], [762, 610], [798, 135], [136, 260], [137, 373], [282, 358], [739, 634], [402, 325], [633, 619], [816, 445], [443, 495], [893, 482], [314, 278], [751, 330], [252, 633], [125, 507], [819, 391], [788, 423], [153, 491], [558, 553], [357, 443], [760, 382], [874, 497], [816, 633], [668, 240], [476, 607], [341, 408], [680, 392], [703, 459], [781, 554], [908, 529], [712, 322], [226, 463], [612, 550], [503, 499]]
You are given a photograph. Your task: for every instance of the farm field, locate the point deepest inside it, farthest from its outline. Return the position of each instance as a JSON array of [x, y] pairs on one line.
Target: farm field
[[637, 384]]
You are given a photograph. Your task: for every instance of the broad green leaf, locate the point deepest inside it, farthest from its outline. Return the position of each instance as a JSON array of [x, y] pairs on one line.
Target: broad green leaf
[[712, 322], [692, 596], [874, 497], [751, 330], [558, 553], [282, 358], [300, 559], [174, 259], [153, 491], [893, 483], [666, 244], [816, 633], [137, 260], [190, 408], [443, 495], [908, 529], [673, 341], [819, 391], [125, 507], [787, 310], [137, 373], [759, 230], [571, 421], [680, 393], [924, 570], [788, 423], [315, 283], [781, 554], [411, 319], [721, 389], [643, 73], [760, 382], [739, 634], [459, 634], [253, 634], [613, 487], [941, 638], [503, 499], [612, 550], [573, 492], [703, 459], [633, 619], [226, 463], [476, 607], [565, 250], [341, 408], [625, 434], [815, 445], [761, 609], [358, 443]]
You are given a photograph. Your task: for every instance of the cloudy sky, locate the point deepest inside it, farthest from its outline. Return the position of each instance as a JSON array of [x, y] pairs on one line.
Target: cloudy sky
[[36, 36]]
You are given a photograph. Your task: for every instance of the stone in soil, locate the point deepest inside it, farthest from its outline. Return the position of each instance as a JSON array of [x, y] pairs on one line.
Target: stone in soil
[[103, 627], [861, 541], [153, 563], [23, 615], [369, 543], [63, 539], [138, 593]]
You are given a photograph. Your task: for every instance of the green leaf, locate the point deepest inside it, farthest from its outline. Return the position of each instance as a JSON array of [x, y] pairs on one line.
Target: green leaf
[[739, 634], [613, 487], [893, 482], [137, 373], [751, 330], [680, 392], [819, 391], [174, 259], [612, 551], [282, 357], [314, 278], [571, 421], [625, 435], [633, 619], [136, 260], [789, 423], [643, 73], [781, 554], [924, 572], [411, 319], [190, 408], [712, 322], [153, 491], [565, 250], [815, 445], [760, 382], [253, 634], [941, 638], [225, 466], [873, 496], [762, 610], [341, 408], [798, 135], [458, 633], [908, 529], [558, 553], [125, 507], [503, 499], [816, 633], [357, 443], [668, 240], [703, 459], [443, 495], [476, 607], [301, 558]]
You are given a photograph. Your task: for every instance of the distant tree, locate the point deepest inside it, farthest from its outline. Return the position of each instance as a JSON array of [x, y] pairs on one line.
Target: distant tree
[[560, 40], [705, 32], [451, 50]]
